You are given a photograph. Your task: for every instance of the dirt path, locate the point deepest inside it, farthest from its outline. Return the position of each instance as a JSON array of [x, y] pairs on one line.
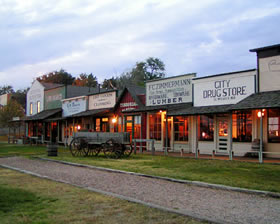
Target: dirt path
[[209, 204]]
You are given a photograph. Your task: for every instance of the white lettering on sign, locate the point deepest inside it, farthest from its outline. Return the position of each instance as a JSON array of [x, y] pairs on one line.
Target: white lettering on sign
[[129, 104], [169, 91], [103, 100], [223, 91]]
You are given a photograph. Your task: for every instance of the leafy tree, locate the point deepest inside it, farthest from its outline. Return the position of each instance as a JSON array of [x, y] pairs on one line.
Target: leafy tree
[[151, 68], [20, 97], [6, 89], [60, 77], [111, 83], [86, 80], [12, 109], [154, 68]]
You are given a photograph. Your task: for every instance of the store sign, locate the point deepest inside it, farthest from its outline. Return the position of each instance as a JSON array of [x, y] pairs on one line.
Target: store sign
[[103, 100], [71, 107], [127, 106], [55, 97], [223, 91], [169, 91]]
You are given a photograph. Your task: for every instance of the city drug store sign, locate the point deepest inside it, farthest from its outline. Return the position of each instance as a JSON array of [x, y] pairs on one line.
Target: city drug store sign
[[169, 91], [223, 90]]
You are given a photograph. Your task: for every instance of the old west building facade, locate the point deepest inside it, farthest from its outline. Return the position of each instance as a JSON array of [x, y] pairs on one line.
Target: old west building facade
[[214, 114]]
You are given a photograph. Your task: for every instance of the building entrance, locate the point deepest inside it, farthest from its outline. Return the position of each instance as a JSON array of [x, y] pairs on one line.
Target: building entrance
[[222, 139]]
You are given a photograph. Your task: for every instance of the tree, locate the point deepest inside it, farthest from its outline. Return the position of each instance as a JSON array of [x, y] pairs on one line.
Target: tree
[[111, 83], [154, 68], [60, 77], [151, 68], [6, 89], [86, 80], [20, 97], [12, 109]]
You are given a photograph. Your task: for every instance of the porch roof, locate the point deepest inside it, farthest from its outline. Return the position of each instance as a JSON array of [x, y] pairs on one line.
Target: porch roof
[[262, 100], [93, 112], [199, 110], [161, 107], [43, 115]]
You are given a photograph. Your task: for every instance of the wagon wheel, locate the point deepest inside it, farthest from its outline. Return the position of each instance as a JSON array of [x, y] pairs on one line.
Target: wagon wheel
[[127, 150], [112, 149], [108, 148], [78, 146], [118, 150], [93, 150]]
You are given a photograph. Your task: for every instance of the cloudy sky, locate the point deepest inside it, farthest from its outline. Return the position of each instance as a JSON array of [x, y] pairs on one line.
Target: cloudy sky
[[107, 37]]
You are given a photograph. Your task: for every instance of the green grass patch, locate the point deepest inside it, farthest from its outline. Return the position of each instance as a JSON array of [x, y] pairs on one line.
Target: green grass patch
[[232, 173], [26, 199]]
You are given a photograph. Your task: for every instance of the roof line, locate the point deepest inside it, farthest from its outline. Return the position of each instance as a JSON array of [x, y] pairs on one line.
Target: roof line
[[227, 73], [171, 77], [265, 48]]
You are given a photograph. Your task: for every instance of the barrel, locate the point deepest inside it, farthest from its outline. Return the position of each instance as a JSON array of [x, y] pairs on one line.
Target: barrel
[[52, 149]]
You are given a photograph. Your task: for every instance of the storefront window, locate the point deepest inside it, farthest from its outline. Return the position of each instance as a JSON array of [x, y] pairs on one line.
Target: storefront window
[[274, 125], [105, 124], [155, 126], [119, 124], [206, 127], [180, 128], [128, 126], [242, 127], [137, 127], [97, 124]]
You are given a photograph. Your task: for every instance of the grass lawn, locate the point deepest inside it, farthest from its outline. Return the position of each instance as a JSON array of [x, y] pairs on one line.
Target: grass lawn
[[232, 173], [27, 199]]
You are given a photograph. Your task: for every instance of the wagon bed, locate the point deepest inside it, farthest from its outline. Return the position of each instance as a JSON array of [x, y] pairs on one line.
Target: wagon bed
[[113, 145]]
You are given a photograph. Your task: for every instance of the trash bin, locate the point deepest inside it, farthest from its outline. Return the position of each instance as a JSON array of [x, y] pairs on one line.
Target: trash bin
[[52, 149]]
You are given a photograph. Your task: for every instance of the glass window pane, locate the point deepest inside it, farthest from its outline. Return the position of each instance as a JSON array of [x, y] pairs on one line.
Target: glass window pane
[[274, 125]]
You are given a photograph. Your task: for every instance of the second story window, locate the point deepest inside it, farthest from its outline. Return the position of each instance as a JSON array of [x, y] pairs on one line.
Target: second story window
[[38, 106], [31, 108]]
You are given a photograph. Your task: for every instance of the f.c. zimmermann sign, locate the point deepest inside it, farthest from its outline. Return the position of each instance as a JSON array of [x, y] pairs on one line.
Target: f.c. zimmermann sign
[[169, 91]]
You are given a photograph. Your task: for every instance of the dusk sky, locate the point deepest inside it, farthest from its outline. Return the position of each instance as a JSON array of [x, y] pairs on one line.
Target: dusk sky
[[107, 37]]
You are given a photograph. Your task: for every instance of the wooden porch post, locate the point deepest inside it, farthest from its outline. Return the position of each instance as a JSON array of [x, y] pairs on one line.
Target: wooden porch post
[[230, 137]]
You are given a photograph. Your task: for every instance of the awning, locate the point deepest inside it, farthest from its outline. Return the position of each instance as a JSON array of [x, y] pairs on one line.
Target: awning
[[262, 100], [55, 119], [93, 113], [199, 110], [43, 115], [160, 107]]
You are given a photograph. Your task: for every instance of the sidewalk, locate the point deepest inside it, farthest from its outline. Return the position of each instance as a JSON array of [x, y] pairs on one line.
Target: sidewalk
[[214, 205], [218, 157]]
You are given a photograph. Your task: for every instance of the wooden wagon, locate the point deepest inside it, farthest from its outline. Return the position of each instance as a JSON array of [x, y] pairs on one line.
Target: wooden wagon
[[113, 145]]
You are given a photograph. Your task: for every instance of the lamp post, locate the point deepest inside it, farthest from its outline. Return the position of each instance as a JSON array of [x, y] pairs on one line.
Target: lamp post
[[260, 115]]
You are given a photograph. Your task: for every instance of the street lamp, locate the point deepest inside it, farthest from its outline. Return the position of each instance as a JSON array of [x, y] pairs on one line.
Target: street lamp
[[261, 115]]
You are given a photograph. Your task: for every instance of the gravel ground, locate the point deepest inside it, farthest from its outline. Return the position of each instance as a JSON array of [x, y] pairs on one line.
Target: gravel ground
[[209, 204]]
